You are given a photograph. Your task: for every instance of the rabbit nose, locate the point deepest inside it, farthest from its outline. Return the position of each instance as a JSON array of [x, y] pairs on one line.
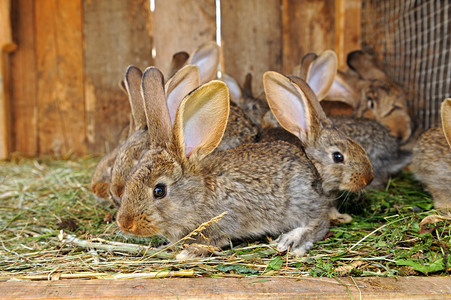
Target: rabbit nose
[[126, 222]]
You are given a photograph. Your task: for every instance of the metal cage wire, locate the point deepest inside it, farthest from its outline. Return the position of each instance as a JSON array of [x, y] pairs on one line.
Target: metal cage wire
[[411, 41]]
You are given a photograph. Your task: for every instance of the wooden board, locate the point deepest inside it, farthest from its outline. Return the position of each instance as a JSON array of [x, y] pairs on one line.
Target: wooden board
[[59, 57], [308, 26], [117, 33], [348, 29], [24, 108], [252, 39], [234, 288], [181, 25]]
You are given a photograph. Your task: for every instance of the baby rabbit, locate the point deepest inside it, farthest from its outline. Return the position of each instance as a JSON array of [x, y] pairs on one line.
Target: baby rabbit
[[369, 92], [265, 188], [383, 149], [431, 161]]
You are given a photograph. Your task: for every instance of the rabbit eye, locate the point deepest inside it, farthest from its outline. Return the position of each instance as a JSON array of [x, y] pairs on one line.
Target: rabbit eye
[[338, 157], [370, 103], [159, 191], [254, 107]]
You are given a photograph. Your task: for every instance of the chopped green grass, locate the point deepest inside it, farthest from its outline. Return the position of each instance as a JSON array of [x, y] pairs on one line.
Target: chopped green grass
[[52, 227]]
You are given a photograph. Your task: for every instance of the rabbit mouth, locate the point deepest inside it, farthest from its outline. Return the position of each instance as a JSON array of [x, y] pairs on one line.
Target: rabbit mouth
[[137, 226], [356, 183]]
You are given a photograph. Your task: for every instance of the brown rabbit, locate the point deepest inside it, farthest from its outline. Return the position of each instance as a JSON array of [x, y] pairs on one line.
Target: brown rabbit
[[367, 91], [239, 131], [383, 149], [336, 157], [431, 161], [265, 188]]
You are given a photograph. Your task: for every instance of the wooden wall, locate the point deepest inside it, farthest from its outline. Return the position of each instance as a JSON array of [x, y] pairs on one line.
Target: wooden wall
[[63, 97]]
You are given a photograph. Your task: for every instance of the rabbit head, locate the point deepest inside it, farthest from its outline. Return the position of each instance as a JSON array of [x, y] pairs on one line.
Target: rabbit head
[[149, 97], [254, 107], [341, 162]]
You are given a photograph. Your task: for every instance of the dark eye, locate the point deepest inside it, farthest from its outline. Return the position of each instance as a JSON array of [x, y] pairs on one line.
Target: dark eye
[[254, 107], [159, 191], [338, 157], [370, 103]]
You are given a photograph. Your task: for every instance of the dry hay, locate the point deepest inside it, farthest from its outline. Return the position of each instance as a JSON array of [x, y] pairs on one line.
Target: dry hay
[[52, 227]]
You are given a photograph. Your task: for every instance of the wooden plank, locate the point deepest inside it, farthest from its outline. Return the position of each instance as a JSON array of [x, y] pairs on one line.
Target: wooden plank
[[181, 25], [6, 45], [308, 26], [59, 52], [348, 28], [24, 107], [234, 288], [252, 39], [117, 34]]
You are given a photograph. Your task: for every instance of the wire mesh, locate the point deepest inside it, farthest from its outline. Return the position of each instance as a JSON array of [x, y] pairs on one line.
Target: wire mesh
[[411, 41]]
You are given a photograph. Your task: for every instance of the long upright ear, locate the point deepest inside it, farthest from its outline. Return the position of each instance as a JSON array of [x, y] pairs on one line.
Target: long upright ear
[[247, 86], [291, 106], [236, 94], [157, 114], [178, 61], [306, 61], [446, 119], [132, 83], [206, 57], [362, 63], [201, 120], [178, 86], [344, 89], [321, 73]]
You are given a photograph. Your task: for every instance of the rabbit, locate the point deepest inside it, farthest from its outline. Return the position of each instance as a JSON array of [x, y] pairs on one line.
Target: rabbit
[[384, 150], [431, 161], [367, 91], [240, 129], [254, 107], [264, 188], [336, 157]]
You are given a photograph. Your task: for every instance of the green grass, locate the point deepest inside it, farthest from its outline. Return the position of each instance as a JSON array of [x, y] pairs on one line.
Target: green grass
[[45, 204]]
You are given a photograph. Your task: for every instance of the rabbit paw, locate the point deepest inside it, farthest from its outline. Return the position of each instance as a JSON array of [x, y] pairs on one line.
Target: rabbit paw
[[335, 215], [294, 241]]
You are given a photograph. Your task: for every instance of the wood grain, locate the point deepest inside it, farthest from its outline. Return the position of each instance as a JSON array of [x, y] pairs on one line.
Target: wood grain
[[308, 26], [59, 59], [252, 39], [234, 288], [24, 107], [348, 29], [117, 33], [181, 25]]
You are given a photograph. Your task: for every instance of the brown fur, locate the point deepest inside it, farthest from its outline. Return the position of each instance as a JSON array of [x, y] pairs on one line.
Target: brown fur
[[431, 162]]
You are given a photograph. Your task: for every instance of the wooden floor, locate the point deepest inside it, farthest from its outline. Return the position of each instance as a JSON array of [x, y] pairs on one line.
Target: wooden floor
[[228, 288]]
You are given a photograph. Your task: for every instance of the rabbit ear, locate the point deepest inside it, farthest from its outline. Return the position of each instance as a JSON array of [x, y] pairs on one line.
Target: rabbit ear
[[236, 94], [247, 86], [206, 57], [157, 114], [343, 89], [178, 61], [363, 64], [306, 61], [446, 119], [201, 120], [291, 105], [178, 86], [321, 73], [132, 84]]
